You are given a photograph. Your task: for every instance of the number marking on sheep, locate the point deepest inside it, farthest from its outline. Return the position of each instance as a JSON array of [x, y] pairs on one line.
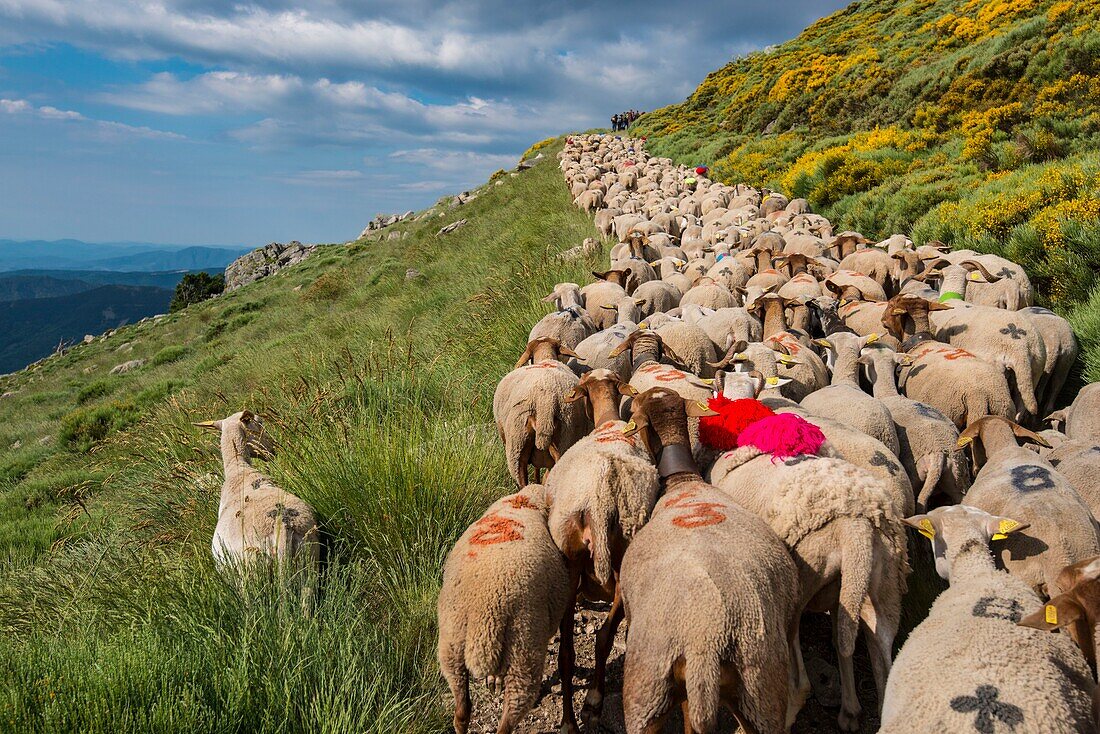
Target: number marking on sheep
[[1031, 478], [701, 515], [613, 434], [953, 354], [493, 529], [991, 607], [989, 709]]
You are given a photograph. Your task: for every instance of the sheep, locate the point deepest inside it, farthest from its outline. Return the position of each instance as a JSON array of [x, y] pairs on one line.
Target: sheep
[[708, 294], [1078, 607], [1061, 353], [565, 295], [954, 381], [569, 327], [604, 488], [969, 666], [657, 296], [728, 272], [690, 343], [1011, 480], [710, 594], [844, 400], [726, 325], [504, 593], [1082, 417], [599, 294], [999, 337], [589, 200], [874, 263], [532, 419], [843, 528], [595, 352], [926, 438], [805, 369], [258, 521], [850, 284]]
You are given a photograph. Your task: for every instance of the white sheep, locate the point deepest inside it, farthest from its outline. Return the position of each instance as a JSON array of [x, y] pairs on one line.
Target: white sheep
[[969, 666], [505, 590]]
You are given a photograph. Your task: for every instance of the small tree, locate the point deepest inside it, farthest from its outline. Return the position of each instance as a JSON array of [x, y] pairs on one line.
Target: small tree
[[196, 287]]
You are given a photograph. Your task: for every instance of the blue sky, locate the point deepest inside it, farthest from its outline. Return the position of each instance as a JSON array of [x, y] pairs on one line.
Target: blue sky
[[200, 121]]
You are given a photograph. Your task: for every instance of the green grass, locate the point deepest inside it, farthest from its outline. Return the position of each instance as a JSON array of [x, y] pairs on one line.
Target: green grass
[[377, 391]]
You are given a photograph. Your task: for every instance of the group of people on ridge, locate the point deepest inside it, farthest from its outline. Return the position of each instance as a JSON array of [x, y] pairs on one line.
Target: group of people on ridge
[[623, 120]]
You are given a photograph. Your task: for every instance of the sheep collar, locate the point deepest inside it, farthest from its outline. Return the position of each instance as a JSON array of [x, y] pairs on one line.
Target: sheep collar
[[676, 459], [950, 296]]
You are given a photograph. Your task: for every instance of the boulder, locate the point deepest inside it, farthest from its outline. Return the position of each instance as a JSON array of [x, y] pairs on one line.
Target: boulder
[[452, 226], [122, 369], [265, 261]]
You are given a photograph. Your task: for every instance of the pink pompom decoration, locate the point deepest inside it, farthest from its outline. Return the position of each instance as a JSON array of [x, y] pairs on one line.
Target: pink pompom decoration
[[783, 436]]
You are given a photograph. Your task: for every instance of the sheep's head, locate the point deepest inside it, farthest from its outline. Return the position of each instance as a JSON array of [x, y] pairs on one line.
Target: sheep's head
[[247, 431], [993, 433], [736, 385], [1078, 606], [544, 348], [648, 343], [959, 528], [660, 415], [618, 276], [600, 389], [915, 308]]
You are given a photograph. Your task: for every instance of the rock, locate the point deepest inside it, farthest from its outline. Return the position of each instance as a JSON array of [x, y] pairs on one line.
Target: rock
[[412, 274], [825, 681], [125, 347], [10, 394], [498, 182], [46, 440], [88, 338], [265, 261], [529, 163], [453, 226], [122, 369], [771, 126], [393, 236], [17, 445]]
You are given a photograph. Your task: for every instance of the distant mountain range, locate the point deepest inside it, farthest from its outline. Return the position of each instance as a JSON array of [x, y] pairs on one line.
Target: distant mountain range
[[17, 285], [33, 327], [112, 256]]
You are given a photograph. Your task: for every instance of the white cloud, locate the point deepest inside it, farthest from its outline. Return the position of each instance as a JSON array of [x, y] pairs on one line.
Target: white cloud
[[104, 129], [338, 177], [453, 161]]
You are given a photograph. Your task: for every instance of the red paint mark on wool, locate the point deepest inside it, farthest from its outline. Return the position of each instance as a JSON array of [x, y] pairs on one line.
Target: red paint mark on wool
[[519, 502], [783, 436], [702, 514], [720, 431], [669, 376], [493, 529]]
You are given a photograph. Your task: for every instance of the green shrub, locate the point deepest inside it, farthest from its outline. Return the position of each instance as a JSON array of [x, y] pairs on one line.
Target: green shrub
[[169, 354], [329, 285], [195, 288], [84, 427], [96, 389]]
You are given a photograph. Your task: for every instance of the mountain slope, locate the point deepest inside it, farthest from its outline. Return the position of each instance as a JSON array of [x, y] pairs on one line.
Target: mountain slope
[[77, 255], [34, 327], [971, 121], [377, 389], [18, 284]]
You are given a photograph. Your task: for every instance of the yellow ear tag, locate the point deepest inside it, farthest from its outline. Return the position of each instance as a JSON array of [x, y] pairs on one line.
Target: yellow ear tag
[[872, 339], [1004, 528], [741, 356], [975, 276], [772, 380], [707, 381], [643, 325], [701, 404], [1051, 614], [926, 529], [629, 427]]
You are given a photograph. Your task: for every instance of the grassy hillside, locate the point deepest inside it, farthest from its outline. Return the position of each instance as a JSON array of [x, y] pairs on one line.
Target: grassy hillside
[[976, 122], [377, 389]]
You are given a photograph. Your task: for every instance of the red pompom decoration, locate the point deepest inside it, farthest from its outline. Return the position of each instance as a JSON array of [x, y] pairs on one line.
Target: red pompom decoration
[[720, 431], [783, 436]]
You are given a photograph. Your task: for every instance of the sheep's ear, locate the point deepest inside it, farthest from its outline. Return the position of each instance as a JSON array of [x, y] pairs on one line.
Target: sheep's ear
[[786, 360], [640, 301], [635, 424], [697, 409], [1000, 528], [247, 416], [1030, 436], [550, 298], [625, 388], [824, 343], [212, 425], [902, 359], [1055, 614], [922, 524], [776, 382], [574, 395]]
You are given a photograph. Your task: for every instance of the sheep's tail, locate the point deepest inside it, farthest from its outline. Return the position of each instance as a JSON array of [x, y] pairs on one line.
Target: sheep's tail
[[702, 679], [931, 479], [856, 567], [547, 406]]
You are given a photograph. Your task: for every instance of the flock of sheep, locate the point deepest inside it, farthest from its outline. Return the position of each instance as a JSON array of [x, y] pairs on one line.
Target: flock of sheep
[[859, 388]]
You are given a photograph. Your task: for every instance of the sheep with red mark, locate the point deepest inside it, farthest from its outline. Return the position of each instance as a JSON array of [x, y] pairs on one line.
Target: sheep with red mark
[[604, 488], [505, 589], [709, 593]]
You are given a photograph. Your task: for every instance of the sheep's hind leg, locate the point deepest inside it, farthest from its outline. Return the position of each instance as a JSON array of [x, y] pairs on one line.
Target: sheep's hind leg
[[567, 658], [460, 688], [521, 686], [605, 639], [850, 710]]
